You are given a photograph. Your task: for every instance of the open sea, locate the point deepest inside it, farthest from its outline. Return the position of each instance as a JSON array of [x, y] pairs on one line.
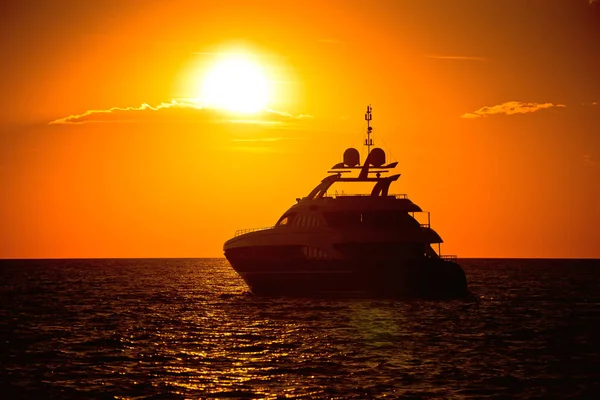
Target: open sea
[[189, 329]]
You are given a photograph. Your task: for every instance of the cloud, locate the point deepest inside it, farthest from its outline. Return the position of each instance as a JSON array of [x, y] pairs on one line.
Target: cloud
[[509, 108], [590, 104], [266, 139], [459, 58], [588, 160], [175, 111]]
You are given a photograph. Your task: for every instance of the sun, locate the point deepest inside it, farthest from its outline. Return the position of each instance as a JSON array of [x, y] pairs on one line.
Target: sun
[[237, 83]]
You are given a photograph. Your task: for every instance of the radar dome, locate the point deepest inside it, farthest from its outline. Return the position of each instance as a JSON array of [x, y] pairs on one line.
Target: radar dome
[[351, 157], [377, 157]]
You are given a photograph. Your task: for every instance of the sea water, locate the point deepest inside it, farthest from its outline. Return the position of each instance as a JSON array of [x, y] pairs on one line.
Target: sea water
[[188, 328]]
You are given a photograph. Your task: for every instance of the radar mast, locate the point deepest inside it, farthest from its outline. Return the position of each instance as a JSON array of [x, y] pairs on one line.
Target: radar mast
[[368, 118]]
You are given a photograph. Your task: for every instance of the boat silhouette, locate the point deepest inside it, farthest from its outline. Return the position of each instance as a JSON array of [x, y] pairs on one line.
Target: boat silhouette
[[368, 244]]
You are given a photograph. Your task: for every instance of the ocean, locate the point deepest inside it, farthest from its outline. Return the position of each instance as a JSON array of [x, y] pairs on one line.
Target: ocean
[[189, 329]]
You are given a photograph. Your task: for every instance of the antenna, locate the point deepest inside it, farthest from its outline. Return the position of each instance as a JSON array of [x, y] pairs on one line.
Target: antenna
[[368, 118]]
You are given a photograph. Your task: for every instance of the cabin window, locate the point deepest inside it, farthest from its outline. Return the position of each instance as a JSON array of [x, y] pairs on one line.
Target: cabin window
[[316, 221], [372, 219], [306, 221], [286, 220], [382, 250], [314, 253], [299, 221], [343, 218]]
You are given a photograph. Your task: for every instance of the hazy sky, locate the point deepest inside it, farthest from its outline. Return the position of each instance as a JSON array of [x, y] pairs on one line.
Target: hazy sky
[[491, 108]]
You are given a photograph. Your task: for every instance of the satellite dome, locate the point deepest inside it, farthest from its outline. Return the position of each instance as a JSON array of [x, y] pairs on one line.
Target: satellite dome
[[351, 157], [377, 157]]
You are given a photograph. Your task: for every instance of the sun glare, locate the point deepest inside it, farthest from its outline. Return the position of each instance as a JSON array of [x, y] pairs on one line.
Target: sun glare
[[236, 83]]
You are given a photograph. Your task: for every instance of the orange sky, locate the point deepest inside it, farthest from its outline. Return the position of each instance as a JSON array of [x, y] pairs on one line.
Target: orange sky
[[491, 108]]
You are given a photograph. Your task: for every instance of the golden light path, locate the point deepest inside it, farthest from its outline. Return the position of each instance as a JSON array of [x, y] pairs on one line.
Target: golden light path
[[236, 82]]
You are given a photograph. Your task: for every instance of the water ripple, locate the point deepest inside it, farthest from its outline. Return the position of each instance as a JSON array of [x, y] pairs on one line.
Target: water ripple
[[162, 329]]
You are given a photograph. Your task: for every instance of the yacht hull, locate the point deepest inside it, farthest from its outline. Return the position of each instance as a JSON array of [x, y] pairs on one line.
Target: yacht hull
[[382, 278]]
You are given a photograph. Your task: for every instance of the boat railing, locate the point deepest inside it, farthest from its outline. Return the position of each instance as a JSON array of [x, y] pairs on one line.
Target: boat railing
[[342, 194], [424, 225], [248, 230], [449, 257]]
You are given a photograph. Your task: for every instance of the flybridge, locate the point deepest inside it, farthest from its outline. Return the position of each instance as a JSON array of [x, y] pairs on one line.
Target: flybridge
[[371, 171]]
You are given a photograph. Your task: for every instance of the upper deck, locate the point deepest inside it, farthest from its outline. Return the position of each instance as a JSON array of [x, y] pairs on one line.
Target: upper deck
[[395, 202], [376, 213]]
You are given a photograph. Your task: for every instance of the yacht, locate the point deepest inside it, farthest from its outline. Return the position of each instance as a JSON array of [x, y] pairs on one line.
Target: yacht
[[331, 243]]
